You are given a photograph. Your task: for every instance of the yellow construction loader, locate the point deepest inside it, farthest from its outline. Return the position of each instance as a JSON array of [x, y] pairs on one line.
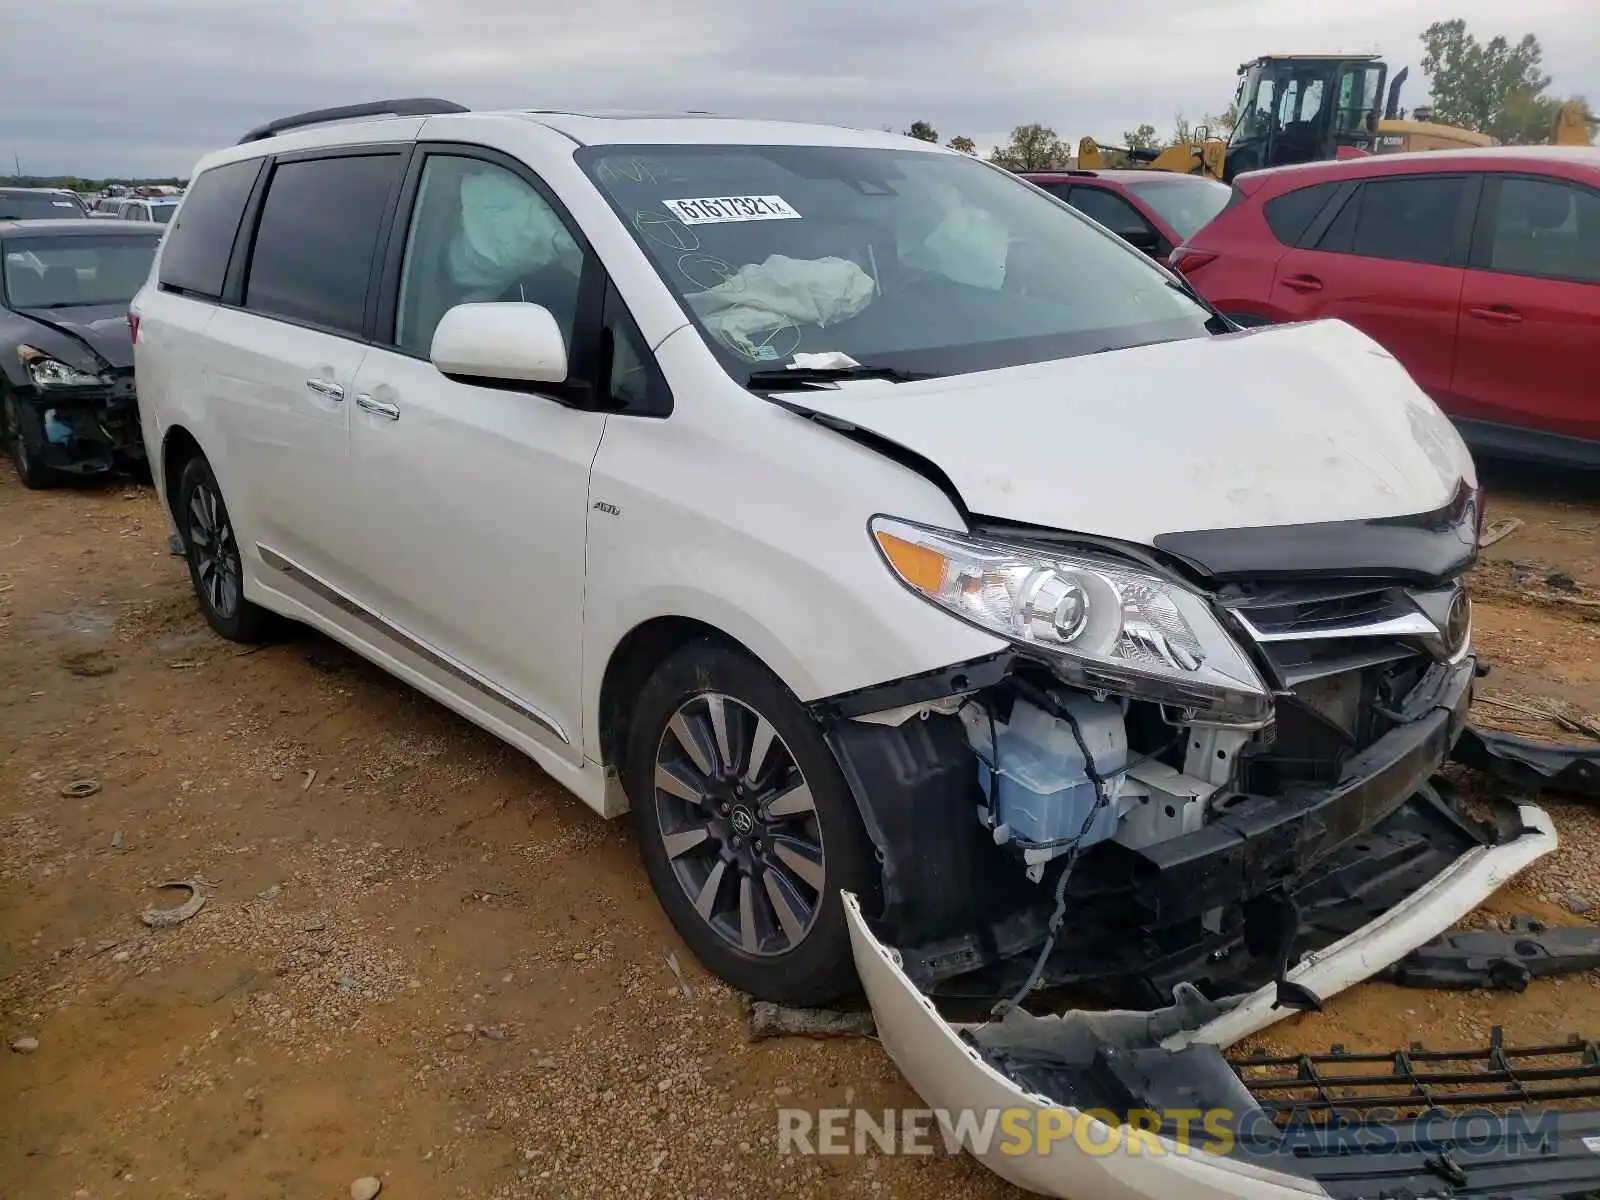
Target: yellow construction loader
[[1301, 107]]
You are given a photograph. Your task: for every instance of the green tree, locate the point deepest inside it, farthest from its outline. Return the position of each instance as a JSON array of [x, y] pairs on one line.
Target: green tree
[[1481, 86], [1182, 131], [922, 131], [963, 143], [1142, 138], [1032, 148]]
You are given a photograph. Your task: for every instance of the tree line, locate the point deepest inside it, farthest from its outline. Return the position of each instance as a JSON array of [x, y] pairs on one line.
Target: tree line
[[1493, 87], [78, 183]]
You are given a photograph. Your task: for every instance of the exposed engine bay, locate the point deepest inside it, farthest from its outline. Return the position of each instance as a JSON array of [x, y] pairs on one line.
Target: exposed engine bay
[[1143, 813]]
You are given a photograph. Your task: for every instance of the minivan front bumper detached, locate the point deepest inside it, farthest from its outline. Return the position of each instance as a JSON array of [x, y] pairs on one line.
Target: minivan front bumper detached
[[1127, 1104], [1224, 906]]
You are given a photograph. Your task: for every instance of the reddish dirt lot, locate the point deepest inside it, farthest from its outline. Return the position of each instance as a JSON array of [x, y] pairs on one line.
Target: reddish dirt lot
[[421, 960]]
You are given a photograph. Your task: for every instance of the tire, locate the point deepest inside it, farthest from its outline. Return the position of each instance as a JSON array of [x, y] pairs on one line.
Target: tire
[[212, 551], [765, 860], [29, 471]]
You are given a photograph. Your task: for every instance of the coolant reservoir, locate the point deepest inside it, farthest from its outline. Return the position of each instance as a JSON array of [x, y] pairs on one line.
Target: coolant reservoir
[[1043, 792]]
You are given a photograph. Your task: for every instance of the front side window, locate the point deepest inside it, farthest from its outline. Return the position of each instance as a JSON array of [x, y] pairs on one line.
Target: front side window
[[1109, 209], [480, 233], [71, 272], [914, 260], [312, 259], [1408, 220], [1548, 229]]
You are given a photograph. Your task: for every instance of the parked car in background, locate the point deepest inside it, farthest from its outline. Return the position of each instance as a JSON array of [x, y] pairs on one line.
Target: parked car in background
[[67, 402], [107, 208], [155, 209], [39, 204], [1478, 269], [1152, 211]]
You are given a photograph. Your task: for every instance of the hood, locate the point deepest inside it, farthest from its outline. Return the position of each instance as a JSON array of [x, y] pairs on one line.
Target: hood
[[1284, 425], [103, 328]]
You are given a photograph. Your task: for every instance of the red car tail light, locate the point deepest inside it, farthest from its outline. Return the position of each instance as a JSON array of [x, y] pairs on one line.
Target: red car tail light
[[1187, 261]]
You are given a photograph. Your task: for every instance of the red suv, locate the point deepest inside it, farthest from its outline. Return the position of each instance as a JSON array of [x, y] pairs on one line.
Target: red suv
[[1152, 211], [1478, 269]]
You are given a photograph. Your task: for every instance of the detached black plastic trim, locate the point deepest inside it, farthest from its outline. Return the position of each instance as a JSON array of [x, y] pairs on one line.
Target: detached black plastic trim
[[1525, 763]]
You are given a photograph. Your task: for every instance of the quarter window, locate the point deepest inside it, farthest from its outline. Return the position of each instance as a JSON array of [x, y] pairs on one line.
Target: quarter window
[[1291, 214], [480, 233], [1407, 220], [312, 260], [199, 246], [1547, 229]]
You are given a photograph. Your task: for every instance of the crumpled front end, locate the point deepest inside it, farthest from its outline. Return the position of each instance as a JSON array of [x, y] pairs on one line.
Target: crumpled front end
[[1126, 1104], [85, 430]]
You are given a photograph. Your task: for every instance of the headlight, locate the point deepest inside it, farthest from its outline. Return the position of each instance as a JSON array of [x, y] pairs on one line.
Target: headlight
[[1101, 625], [47, 372]]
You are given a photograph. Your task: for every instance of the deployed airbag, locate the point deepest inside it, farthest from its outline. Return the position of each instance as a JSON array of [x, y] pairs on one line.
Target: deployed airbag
[[507, 231], [782, 291]]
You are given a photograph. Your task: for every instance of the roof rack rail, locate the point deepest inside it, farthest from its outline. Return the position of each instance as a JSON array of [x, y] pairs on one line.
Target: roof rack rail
[[409, 106]]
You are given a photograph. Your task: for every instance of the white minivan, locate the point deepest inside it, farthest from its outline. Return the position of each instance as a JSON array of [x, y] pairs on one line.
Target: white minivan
[[861, 518]]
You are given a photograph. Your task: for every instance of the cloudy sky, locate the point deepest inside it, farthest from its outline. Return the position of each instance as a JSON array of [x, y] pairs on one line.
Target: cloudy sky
[[125, 87]]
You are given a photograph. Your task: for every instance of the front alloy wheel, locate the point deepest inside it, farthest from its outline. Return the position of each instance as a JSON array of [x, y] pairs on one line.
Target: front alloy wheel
[[746, 825], [739, 825]]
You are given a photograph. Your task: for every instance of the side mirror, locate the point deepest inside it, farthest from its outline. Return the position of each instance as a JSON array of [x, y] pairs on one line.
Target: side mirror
[[1143, 238], [514, 343]]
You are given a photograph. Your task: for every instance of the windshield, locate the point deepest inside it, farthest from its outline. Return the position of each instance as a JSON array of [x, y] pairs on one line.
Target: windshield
[[35, 206], [65, 272], [1255, 103], [1187, 203], [913, 260]]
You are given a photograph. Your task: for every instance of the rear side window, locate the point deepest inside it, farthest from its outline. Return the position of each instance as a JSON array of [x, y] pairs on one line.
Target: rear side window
[[312, 260], [1413, 219], [1291, 214], [200, 243]]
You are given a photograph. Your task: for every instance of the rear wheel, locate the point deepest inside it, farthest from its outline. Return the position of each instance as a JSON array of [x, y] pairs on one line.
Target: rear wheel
[[23, 453], [215, 566], [746, 825]]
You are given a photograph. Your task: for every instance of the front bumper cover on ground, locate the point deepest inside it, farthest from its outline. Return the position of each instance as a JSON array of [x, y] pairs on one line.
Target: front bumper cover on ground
[[1174, 1052]]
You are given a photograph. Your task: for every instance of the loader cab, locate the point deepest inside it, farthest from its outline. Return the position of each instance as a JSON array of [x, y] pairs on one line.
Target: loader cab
[[1297, 108]]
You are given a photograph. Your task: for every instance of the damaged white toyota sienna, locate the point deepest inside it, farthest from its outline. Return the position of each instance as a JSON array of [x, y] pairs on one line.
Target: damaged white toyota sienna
[[914, 560]]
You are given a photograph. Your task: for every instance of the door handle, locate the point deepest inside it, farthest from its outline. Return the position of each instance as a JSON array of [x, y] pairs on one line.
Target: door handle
[[1497, 315], [323, 387], [378, 408], [1303, 283]]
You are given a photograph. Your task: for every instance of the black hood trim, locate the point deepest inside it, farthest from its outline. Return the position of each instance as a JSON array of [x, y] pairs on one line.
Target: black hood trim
[[1422, 548]]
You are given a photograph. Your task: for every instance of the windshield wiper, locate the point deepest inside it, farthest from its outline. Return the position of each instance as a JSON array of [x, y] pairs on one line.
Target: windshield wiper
[[802, 378]]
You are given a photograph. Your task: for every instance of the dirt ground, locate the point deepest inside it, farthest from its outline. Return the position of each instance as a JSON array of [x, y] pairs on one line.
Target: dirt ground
[[419, 959]]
